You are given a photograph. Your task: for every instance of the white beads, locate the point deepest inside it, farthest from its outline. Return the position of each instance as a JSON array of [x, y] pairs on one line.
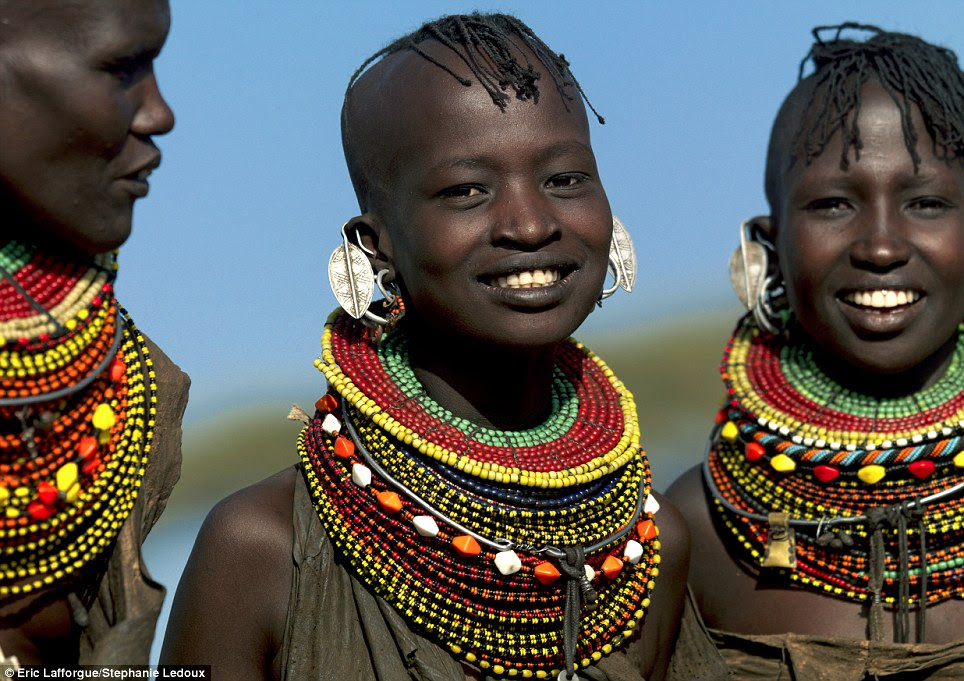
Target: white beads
[[590, 573], [507, 562], [331, 425], [361, 475], [633, 552], [425, 525], [651, 505]]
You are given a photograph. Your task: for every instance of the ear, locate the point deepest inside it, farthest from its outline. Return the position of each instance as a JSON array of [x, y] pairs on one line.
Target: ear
[[764, 228], [368, 231]]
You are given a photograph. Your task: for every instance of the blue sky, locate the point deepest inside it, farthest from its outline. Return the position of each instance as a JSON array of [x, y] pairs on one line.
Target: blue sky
[[226, 267]]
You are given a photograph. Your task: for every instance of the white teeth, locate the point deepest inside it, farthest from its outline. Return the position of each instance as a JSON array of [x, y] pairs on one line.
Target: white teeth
[[530, 279], [883, 298]]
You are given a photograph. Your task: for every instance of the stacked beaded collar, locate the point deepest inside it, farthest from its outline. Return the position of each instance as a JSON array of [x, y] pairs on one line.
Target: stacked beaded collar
[[483, 539], [77, 405], [845, 467]]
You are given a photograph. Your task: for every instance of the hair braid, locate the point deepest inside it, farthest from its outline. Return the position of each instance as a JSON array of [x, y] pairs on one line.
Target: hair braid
[[488, 45], [912, 71]]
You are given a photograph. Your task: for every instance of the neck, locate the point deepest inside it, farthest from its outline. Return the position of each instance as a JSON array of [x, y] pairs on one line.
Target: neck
[[888, 385], [506, 389]]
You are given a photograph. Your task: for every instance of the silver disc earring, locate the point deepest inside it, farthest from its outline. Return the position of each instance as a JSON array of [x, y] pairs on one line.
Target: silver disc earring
[[352, 280], [622, 261], [754, 285]]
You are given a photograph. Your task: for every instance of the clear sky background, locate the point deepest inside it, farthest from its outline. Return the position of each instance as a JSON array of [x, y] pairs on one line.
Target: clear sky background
[[226, 267]]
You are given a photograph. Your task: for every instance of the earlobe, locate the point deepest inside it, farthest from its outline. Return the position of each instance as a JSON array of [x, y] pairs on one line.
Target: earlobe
[[763, 226], [367, 232]]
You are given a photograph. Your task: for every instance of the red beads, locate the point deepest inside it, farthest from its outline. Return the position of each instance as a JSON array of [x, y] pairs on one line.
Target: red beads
[[326, 403], [117, 370], [87, 446], [46, 493], [921, 468], [825, 473], [754, 451]]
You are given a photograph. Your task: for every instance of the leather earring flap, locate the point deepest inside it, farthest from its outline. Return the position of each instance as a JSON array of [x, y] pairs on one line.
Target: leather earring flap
[[351, 280]]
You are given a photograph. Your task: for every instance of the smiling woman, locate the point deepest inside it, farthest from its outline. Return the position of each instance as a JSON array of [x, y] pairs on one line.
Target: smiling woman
[[89, 408], [831, 498], [472, 499]]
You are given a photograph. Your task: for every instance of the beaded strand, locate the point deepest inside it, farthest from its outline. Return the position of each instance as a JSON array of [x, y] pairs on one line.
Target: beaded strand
[[790, 440], [78, 402], [503, 613]]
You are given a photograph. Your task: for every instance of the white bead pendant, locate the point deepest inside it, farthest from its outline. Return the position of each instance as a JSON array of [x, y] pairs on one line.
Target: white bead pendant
[[331, 425], [590, 573], [651, 505], [633, 552], [507, 562], [361, 475], [425, 525]]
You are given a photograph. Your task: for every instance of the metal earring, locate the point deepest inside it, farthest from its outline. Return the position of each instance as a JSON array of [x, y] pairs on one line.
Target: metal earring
[[622, 261], [754, 285], [353, 282]]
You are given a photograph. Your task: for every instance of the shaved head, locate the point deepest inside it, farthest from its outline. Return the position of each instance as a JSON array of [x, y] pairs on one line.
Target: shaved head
[[494, 52]]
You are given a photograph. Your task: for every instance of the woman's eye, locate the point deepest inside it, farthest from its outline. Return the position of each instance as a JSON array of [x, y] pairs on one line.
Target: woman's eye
[[830, 206], [929, 205], [464, 191], [563, 181]]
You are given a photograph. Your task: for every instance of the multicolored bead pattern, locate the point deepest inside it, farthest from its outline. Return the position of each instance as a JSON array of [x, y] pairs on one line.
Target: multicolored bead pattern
[[590, 435], [790, 440], [500, 609], [77, 404]]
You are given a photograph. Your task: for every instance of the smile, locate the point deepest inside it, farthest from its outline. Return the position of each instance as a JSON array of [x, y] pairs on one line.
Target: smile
[[528, 279], [882, 298]]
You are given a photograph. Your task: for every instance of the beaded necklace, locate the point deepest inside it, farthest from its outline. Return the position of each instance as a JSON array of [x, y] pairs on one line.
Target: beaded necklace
[[77, 408], [873, 487], [494, 543]]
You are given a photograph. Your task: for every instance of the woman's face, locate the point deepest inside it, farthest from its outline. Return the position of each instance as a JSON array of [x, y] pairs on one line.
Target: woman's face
[[873, 256], [484, 201], [79, 103]]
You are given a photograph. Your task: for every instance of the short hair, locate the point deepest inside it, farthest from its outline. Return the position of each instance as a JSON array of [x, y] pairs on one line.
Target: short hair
[[493, 47], [912, 71]]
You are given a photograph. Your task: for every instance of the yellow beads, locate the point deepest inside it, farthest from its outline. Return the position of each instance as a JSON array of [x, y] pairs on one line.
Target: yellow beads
[[872, 474], [67, 476], [729, 431], [783, 463], [104, 418], [959, 460]]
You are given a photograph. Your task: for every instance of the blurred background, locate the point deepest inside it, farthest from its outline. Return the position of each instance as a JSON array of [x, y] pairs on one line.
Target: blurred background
[[226, 267]]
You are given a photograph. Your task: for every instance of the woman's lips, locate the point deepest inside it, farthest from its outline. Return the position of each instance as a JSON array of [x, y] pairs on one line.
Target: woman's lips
[[883, 310], [883, 298], [535, 278]]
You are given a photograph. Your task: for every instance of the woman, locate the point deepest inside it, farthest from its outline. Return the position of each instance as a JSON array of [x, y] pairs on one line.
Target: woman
[[90, 410], [827, 516], [471, 499]]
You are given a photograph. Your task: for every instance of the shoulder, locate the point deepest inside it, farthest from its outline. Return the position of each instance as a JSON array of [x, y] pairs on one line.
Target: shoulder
[[231, 604], [662, 622], [688, 495]]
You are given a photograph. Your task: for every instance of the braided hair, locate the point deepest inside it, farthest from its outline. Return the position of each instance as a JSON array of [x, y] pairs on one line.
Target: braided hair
[[486, 43], [913, 72], [494, 47]]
